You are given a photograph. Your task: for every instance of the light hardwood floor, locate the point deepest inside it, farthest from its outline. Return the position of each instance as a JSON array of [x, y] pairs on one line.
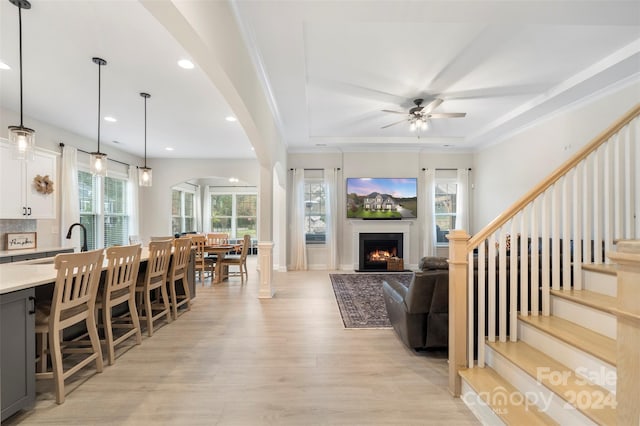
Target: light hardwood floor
[[238, 360]]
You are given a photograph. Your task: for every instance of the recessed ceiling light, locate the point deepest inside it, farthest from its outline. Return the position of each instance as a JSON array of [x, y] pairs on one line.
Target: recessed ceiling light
[[110, 119], [169, 148], [4, 66], [231, 118], [253, 149], [186, 64]]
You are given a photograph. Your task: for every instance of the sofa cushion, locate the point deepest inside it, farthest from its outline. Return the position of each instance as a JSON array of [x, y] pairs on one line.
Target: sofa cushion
[[433, 262]]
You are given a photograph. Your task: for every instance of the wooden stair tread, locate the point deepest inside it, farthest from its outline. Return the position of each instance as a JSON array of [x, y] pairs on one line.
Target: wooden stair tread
[[588, 298], [570, 388], [485, 381], [603, 268], [593, 343]]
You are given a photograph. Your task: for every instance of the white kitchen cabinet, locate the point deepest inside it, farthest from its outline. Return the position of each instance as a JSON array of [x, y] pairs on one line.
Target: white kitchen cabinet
[[20, 199]]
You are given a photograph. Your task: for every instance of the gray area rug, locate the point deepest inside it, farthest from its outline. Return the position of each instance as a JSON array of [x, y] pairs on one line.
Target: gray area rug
[[360, 300]]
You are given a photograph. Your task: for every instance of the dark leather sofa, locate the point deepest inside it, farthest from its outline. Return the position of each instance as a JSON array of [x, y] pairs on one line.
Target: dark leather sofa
[[419, 313]]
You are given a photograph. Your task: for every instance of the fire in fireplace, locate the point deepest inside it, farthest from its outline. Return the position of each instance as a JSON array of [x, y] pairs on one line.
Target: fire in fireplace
[[376, 248]]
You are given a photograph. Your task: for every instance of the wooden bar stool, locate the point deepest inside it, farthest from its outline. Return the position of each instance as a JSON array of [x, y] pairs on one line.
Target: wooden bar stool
[[74, 298], [155, 279], [120, 287], [178, 275]]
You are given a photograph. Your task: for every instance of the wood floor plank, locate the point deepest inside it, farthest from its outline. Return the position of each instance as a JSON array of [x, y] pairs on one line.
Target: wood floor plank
[[235, 359]]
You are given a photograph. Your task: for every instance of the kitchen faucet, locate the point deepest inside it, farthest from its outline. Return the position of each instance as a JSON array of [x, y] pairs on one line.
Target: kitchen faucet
[[84, 235]]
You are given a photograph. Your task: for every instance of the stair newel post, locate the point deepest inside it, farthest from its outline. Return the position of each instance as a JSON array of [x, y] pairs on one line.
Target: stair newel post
[[627, 258], [458, 298]]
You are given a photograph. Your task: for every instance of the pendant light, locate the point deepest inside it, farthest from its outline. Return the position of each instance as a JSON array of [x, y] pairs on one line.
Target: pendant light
[[144, 173], [22, 138], [99, 159]]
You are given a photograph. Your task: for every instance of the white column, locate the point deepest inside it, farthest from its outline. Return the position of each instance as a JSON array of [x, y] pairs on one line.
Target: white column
[[265, 259]]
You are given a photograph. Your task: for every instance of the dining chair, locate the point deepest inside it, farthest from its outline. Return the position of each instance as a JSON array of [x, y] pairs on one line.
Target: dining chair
[[214, 238], [153, 282], [199, 242], [237, 260], [178, 276], [169, 237], [73, 302], [119, 287]]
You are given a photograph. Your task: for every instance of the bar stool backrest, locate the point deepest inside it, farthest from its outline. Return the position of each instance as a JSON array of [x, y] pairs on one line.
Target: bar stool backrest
[[76, 285]]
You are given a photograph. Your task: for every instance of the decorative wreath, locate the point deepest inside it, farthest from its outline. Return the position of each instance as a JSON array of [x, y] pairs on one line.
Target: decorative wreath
[[43, 184]]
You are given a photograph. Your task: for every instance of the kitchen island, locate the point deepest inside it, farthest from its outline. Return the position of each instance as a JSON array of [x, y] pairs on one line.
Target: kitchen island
[[19, 282]]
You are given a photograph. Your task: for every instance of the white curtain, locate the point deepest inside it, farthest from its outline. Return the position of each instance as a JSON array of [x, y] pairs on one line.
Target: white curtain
[[134, 203], [298, 242], [69, 196], [429, 223], [462, 200], [198, 212], [331, 222], [206, 210]]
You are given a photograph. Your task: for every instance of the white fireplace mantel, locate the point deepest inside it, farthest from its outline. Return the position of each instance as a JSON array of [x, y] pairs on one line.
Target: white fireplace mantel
[[366, 226]]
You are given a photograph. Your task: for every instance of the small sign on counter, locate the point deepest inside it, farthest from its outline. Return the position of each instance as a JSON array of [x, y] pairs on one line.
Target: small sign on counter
[[22, 240]]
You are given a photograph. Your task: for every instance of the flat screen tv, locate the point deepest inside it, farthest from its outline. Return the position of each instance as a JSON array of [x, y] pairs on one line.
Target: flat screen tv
[[382, 198]]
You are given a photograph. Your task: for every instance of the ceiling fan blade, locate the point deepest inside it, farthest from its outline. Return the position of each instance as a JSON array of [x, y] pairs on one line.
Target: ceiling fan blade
[[431, 106], [447, 115], [394, 123], [393, 112]]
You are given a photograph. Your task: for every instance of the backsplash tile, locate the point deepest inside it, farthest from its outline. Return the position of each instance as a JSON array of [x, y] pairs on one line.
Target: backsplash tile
[[15, 225]]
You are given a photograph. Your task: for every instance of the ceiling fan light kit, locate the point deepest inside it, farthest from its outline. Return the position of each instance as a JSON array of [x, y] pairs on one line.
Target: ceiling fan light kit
[[419, 116]]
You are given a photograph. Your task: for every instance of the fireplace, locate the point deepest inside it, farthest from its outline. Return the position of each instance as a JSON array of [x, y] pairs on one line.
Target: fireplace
[[376, 247]]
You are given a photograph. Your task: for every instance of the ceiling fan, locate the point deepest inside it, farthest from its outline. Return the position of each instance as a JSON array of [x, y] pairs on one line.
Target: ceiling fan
[[419, 116]]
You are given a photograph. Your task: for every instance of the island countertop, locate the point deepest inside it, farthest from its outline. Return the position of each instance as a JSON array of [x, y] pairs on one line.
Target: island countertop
[[32, 273], [17, 276]]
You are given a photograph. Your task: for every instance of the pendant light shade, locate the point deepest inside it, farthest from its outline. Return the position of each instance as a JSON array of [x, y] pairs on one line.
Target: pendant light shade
[[21, 138], [145, 176], [98, 159]]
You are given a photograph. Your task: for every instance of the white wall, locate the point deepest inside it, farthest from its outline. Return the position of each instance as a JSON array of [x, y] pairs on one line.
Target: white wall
[[505, 171], [169, 172], [375, 164]]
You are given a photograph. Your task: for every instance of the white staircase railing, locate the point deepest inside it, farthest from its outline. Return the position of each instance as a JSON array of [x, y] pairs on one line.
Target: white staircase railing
[[574, 216]]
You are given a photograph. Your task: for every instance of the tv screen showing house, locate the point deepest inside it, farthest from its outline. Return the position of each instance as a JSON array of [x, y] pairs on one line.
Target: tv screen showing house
[[382, 198]]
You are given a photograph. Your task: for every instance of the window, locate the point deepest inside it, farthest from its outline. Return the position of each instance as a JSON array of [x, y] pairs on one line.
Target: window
[[445, 209], [116, 220], [88, 203], [234, 214], [182, 211], [246, 215], [103, 209], [315, 214]]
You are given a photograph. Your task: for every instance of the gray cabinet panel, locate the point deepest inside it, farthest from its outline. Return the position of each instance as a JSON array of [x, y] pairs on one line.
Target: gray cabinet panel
[[17, 351], [21, 257]]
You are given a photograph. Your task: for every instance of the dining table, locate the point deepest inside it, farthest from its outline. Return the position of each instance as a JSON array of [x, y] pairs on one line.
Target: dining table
[[220, 250]]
